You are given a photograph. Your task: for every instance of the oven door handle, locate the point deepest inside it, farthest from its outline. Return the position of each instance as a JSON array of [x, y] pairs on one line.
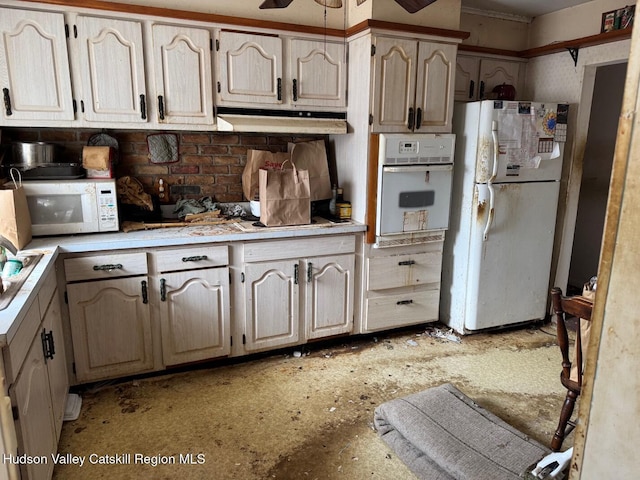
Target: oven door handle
[[418, 168]]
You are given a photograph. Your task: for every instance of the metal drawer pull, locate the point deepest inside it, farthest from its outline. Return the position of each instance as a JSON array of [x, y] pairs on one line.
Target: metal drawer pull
[[404, 302], [309, 272], [195, 258], [48, 347], [7, 101], [108, 267], [145, 296], [163, 290], [407, 262], [296, 268]]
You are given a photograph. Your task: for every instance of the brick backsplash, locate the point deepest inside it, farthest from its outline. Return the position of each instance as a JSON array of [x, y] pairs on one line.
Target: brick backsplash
[[210, 164]]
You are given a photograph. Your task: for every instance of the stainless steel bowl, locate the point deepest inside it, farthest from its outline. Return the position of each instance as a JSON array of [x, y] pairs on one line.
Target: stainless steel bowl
[[32, 154]]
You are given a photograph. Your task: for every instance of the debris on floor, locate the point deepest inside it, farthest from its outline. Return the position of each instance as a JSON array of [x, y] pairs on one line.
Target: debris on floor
[[446, 335]]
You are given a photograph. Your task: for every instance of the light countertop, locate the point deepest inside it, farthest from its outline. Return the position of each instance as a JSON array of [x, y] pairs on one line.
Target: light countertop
[[51, 247]]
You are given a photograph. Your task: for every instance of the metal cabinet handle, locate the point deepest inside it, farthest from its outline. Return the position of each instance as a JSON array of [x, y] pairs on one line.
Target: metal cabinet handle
[[296, 269], [418, 119], [48, 346], [407, 262], [481, 91], [410, 120], [143, 107], [295, 90], [279, 88], [309, 272], [161, 107], [404, 302], [108, 267], [7, 101], [195, 258], [472, 87], [163, 290], [145, 294]]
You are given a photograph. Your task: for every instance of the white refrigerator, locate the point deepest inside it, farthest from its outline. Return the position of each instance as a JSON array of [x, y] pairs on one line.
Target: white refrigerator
[[506, 181]]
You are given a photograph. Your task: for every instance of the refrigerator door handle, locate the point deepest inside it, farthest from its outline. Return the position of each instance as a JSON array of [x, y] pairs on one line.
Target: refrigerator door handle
[[494, 172]]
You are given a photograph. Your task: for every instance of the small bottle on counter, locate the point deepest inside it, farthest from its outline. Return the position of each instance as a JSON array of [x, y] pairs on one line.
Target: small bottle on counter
[[333, 210]]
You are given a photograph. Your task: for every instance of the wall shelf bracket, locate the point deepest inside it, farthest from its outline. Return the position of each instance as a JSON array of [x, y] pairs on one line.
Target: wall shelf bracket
[[573, 51]]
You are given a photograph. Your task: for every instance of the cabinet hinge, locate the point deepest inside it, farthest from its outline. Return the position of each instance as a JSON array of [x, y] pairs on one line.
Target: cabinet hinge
[[75, 31], [217, 45], [66, 298], [66, 30], [370, 119], [75, 106], [219, 89], [242, 277], [230, 281], [14, 412], [211, 44], [231, 340], [73, 367], [373, 49], [244, 339]]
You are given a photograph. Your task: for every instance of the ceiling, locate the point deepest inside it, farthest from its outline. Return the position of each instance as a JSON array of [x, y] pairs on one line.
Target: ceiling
[[525, 8]]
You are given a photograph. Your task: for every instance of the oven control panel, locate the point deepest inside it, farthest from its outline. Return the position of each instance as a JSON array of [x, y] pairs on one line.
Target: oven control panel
[[408, 146], [417, 149]]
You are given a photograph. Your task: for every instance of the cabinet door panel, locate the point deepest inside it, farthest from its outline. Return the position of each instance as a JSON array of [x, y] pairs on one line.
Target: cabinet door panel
[[34, 66], [111, 328], [250, 69], [272, 317], [112, 69], [329, 295], [194, 315], [318, 72], [394, 84], [182, 65], [434, 87], [497, 72], [466, 83]]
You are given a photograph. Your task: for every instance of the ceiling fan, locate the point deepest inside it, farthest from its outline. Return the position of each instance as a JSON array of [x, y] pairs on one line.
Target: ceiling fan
[[411, 6]]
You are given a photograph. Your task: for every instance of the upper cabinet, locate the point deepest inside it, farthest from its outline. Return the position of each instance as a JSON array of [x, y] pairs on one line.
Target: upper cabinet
[[477, 76], [34, 67], [182, 74], [254, 71], [112, 71], [413, 85]]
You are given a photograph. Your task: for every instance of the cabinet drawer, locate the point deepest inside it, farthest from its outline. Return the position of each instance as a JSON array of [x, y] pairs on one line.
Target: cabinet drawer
[[191, 258], [310, 247], [105, 266], [404, 270], [398, 310]]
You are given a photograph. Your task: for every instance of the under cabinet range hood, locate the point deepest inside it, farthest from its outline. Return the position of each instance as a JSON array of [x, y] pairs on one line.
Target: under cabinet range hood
[[280, 121]]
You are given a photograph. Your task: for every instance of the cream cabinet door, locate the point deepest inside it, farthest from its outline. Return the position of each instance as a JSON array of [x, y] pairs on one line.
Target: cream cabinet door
[[466, 83], [32, 399], [194, 315], [496, 72], [34, 67], [434, 87], [112, 70], [394, 84], [318, 73], [271, 304], [110, 327], [182, 71], [329, 295], [56, 366], [249, 69]]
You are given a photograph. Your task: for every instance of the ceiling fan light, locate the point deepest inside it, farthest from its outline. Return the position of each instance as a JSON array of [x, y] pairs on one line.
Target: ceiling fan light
[[330, 3]]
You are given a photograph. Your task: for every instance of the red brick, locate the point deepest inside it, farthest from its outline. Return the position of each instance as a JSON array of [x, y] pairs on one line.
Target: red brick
[[214, 149], [197, 160], [253, 140], [226, 160], [227, 179], [199, 138], [225, 139], [215, 169], [184, 169], [152, 170]]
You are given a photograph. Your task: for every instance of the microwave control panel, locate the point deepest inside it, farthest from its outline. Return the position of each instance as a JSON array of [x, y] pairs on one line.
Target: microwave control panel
[[107, 207]]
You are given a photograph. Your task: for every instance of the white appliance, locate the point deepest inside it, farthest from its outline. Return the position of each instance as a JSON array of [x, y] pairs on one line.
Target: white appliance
[[497, 252], [65, 207], [414, 185]]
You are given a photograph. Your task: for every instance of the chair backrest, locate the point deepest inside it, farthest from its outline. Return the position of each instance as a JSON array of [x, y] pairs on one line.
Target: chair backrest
[[564, 307]]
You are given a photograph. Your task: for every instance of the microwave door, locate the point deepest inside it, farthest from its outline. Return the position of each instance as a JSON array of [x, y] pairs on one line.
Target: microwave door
[[414, 198], [63, 213]]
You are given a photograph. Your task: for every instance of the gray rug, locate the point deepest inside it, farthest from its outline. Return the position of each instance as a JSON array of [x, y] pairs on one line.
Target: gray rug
[[441, 434]]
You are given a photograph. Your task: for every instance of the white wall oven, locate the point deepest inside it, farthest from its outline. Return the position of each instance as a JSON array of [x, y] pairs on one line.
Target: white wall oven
[[64, 207], [414, 187]]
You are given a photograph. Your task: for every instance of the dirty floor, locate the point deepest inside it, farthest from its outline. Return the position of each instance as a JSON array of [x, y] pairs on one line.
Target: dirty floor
[[284, 416]]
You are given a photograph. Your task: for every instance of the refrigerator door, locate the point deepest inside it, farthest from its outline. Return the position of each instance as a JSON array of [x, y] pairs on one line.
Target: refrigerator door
[[528, 151], [508, 273]]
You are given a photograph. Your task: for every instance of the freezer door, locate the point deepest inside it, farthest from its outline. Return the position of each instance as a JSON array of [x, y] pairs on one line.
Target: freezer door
[[508, 277], [527, 147]]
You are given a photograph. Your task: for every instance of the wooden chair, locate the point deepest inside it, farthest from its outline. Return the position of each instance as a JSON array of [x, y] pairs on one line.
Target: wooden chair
[[563, 308]]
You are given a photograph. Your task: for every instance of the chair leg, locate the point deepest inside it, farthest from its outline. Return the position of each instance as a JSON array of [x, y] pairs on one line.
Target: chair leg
[[565, 416]]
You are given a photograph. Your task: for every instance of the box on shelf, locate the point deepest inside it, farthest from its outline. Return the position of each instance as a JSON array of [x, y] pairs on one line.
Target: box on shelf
[[98, 161]]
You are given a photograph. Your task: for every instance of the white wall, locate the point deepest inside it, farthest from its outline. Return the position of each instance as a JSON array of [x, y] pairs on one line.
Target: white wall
[[576, 22], [494, 32]]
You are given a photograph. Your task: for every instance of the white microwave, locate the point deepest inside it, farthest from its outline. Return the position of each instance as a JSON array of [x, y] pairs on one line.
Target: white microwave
[[66, 207]]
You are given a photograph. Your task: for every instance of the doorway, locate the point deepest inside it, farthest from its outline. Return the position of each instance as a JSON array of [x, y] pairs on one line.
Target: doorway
[[596, 173]]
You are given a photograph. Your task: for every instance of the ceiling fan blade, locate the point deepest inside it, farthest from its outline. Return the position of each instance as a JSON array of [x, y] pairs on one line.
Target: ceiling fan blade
[[275, 4], [412, 6]]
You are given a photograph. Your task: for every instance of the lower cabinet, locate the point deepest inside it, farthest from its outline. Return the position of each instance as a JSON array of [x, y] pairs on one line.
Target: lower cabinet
[[296, 290], [38, 381], [402, 286]]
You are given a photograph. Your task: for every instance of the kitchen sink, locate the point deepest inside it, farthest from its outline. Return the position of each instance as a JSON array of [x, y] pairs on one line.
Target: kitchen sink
[[13, 283]]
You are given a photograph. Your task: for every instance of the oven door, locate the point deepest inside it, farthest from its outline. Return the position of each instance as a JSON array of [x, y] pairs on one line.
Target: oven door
[[414, 198]]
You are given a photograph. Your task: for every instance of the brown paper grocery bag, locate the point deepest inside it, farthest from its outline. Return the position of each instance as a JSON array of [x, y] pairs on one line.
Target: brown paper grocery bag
[[15, 220], [284, 197], [312, 156], [257, 159]]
